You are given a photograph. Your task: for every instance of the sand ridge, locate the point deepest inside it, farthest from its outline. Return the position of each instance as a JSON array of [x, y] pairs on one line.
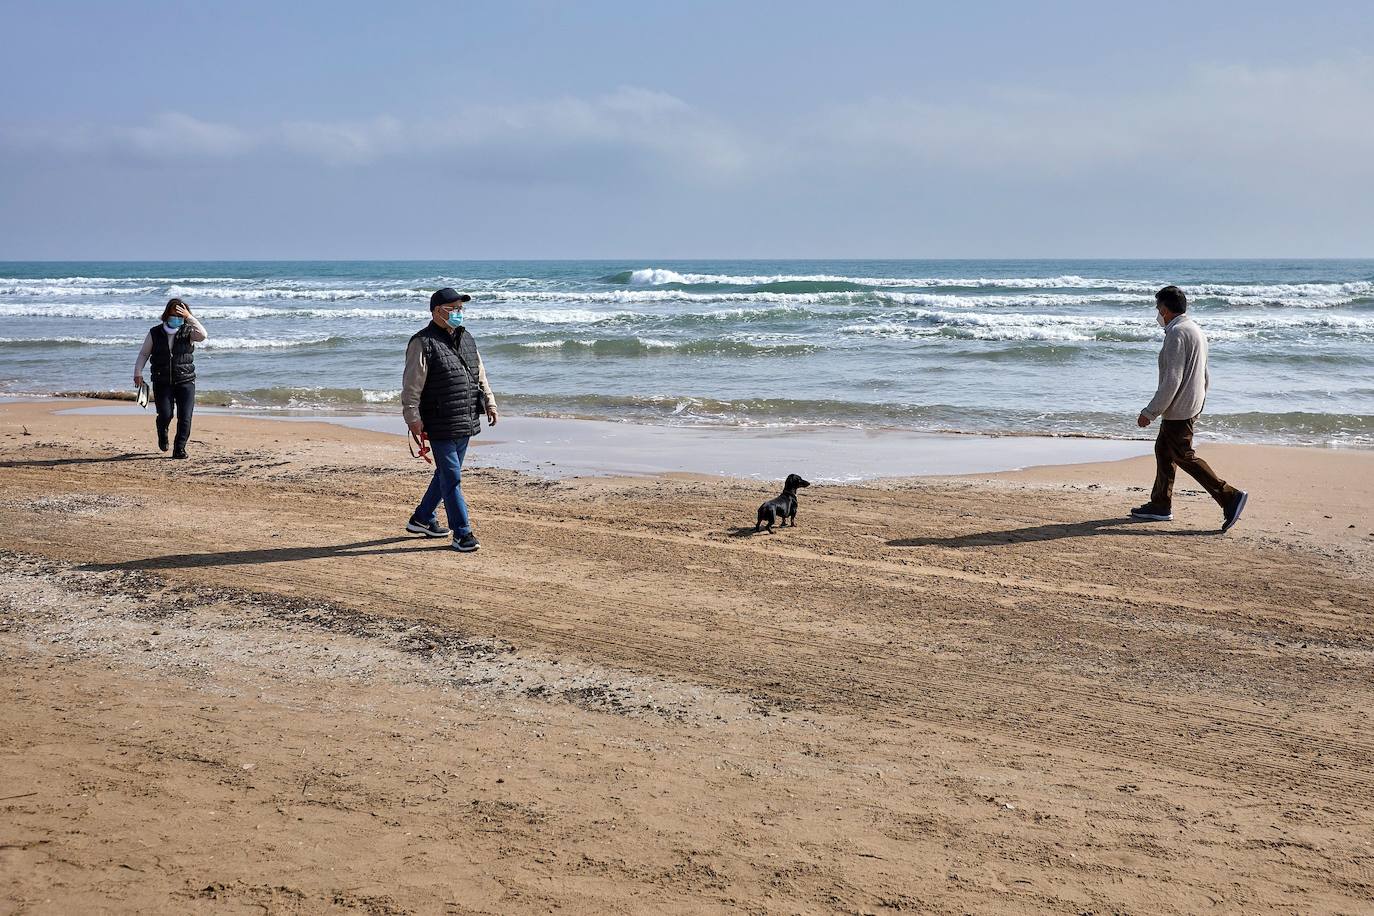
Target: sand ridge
[[955, 695]]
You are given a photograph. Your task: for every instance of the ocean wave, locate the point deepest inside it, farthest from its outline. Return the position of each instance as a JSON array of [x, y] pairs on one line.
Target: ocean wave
[[803, 299], [640, 346], [506, 303], [1302, 426], [214, 343], [915, 324], [313, 294], [268, 343], [656, 284], [195, 289], [1321, 295], [299, 397], [150, 313], [655, 276], [893, 320], [55, 291], [38, 343]]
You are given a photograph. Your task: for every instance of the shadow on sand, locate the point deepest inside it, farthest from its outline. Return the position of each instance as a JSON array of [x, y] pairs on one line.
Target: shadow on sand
[[272, 555], [1100, 526], [59, 462]]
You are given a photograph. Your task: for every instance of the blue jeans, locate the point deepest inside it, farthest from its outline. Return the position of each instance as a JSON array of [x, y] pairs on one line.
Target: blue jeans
[[447, 485]]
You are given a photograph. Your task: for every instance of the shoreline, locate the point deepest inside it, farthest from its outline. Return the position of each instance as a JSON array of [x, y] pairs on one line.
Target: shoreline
[[560, 448], [1210, 433]]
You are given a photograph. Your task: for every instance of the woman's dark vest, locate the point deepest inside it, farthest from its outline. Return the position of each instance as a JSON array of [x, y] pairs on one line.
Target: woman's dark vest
[[451, 401], [172, 362]]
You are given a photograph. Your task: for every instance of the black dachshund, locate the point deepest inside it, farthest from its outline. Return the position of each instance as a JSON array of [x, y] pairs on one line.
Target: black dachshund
[[783, 507]]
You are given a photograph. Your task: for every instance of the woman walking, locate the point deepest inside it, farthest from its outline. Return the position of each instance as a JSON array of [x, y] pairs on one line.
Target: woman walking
[[170, 345]]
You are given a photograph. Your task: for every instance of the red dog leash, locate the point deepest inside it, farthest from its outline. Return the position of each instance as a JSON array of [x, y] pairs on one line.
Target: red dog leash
[[422, 441]]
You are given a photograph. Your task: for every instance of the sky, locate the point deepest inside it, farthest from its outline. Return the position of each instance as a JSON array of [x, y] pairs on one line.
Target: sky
[[473, 130]]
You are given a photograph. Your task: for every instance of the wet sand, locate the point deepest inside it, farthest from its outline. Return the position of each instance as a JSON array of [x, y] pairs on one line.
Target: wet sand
[[559, 448], [233, 684]]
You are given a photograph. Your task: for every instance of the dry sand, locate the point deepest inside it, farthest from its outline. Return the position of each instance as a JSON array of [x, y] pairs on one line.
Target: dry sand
[[233, 685]]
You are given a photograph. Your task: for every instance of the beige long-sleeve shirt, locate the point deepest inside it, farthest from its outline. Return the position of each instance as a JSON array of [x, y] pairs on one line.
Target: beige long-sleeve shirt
[[413, 381], [198, 335], [1183, 377]]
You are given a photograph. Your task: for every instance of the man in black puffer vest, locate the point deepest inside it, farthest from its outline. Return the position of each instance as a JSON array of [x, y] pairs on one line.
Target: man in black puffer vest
[[444, 393]]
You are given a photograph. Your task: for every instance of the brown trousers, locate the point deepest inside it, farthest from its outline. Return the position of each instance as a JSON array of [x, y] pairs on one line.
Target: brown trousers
[[1174, 447]]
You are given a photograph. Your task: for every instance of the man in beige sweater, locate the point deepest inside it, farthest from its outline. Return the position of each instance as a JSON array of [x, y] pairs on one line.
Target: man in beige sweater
[[1178, 401]]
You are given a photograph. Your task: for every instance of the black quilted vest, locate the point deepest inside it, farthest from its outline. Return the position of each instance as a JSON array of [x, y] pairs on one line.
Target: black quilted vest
[[172, 362], [451, 401]]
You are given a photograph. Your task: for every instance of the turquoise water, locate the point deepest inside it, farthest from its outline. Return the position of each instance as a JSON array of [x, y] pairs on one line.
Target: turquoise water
[[978, 346]]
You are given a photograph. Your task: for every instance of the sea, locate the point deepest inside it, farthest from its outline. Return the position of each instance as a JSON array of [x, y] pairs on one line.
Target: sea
[[1048, 347]]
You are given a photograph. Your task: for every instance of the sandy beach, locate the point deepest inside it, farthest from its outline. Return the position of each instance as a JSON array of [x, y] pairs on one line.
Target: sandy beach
[[233, 684]]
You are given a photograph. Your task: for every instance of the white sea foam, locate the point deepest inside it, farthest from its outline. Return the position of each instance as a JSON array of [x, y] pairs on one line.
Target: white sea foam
[[214, 343], [262, 343], [653, 276], [315, 294], [922, 323], [1280, 293], [61, 291], [200, 289], [60, 341], [648, 285], [1306, 296], [150, 313]]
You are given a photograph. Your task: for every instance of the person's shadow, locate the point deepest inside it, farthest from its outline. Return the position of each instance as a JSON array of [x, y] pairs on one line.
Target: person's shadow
[[268, 555], [1099, 526], [59, 462]]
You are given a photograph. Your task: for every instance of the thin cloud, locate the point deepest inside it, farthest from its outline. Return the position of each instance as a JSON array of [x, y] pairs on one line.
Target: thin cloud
[[168, 137], [1220, 117], [641, 128]]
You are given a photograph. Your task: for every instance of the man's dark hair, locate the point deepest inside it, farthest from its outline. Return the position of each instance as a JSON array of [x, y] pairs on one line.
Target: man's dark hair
[[1173, 299]]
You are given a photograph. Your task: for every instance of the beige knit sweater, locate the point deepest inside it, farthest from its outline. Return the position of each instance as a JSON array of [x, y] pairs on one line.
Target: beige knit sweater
[[1183, 376]]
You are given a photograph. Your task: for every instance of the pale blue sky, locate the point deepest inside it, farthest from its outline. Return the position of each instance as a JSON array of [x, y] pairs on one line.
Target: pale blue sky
[[486, 130]]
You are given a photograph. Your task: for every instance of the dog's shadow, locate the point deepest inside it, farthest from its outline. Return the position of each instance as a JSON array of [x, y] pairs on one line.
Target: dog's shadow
[[745, 531]]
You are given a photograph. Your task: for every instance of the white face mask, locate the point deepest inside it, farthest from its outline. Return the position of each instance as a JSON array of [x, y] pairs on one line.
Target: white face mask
[[1161, 321]]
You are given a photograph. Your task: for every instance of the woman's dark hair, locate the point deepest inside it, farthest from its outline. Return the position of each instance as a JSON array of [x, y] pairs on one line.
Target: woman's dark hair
[[1173, 299], [172, 304]]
